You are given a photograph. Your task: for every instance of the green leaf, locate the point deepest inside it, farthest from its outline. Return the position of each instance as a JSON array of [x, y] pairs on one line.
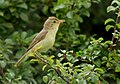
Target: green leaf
[[99, 70], [97, 62], [78, 18], [100, 39], [23, 35], [67, 63], [60, 55], [3, 64], [116, 1], [60, 2], [110, 8], [63, 51], [118, 14], [82, 81], [108, 42], [108, 64], [108, 27], [104, 58], [118, 25], [9, 41], [24, 17], [86, 13], [19, 53], [96, 1], [43, 68], [117, 68], [11, 75], [2, 2], [86, 4], [45, 79], [61, 6], [34, 60], [23, 5], [22, 82], [1, 13], [45, 9], [70, 14], [109, 20], [12, 9], [50, 60], [8, 25], [94, 79], [118, 81], [90, 47], [115, 35]]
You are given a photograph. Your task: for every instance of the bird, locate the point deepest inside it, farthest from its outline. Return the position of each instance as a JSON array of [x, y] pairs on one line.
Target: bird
[[45, 39]]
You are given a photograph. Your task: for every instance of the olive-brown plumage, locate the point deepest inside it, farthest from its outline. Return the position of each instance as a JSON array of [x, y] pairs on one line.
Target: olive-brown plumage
[[44, 39]]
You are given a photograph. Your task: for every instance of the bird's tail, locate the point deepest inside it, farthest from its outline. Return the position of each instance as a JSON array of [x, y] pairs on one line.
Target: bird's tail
[[21, 59]]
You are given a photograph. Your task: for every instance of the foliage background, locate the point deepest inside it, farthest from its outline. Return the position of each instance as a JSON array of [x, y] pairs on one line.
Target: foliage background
[[83, 52]]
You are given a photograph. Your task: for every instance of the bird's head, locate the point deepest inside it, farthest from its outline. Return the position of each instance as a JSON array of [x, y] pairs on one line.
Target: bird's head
[[52, 23]]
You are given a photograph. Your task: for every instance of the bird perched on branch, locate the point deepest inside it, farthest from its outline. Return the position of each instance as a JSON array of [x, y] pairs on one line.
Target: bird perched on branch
[[44, 39]]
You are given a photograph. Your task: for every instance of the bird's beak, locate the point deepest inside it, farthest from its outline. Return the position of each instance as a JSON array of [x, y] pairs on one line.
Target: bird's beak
[[61, 21]]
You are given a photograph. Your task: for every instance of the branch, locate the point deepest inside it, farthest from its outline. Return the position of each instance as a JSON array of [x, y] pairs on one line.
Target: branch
[[111, 47], [67, 82], [56, 70]]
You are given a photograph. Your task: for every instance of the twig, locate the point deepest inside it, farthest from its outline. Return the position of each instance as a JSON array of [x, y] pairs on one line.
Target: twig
[[67, 82], [56, 70], [111, 46], [38, 57]]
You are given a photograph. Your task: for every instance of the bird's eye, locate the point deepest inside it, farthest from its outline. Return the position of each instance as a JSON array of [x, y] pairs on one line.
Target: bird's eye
[[54, 21]]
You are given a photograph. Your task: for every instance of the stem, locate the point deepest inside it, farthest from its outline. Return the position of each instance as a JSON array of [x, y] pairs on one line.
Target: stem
[[37, 57], [111, 47], [56, 70]]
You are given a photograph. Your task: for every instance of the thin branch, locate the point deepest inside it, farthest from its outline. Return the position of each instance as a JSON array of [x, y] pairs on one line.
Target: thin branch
[[117, 40], [67, 82], [56, 70], [111, 46], [38, 57]]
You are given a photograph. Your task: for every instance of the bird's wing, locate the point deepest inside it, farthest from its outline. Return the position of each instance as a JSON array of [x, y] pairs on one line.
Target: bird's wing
[[37, 39]]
